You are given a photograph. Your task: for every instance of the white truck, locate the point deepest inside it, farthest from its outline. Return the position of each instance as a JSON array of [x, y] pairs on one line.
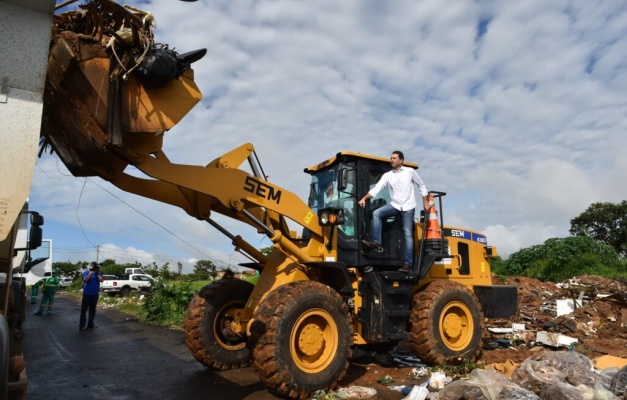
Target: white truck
[[125, 283], [25, 31]]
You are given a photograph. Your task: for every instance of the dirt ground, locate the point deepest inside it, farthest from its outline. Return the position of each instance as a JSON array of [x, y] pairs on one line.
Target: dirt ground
[[599, 324]]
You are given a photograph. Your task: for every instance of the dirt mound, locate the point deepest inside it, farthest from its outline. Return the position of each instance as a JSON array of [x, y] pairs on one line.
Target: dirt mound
[[598, 320]]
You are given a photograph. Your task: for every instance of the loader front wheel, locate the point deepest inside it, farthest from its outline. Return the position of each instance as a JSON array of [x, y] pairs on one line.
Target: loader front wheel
[[208, 333], [446, 323], [301, 338]]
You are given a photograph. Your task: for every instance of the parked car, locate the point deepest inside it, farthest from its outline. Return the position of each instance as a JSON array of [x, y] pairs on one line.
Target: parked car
[[65, 282], [125, 283]]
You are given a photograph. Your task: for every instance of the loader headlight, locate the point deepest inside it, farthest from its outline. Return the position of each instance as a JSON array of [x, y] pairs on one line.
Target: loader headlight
[[324, 218], [331, 216]]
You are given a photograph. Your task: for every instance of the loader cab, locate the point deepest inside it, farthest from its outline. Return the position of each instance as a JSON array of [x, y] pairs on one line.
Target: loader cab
[[340, 182]]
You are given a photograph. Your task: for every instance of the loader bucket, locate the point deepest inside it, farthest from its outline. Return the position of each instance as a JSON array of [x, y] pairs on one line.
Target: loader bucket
[[97, 115]]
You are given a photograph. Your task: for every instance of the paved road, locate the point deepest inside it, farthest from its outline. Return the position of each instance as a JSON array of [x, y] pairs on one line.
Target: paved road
[[121, 359]]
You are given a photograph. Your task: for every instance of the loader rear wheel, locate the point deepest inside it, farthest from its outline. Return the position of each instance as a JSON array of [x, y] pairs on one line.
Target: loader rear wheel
[[208, 333], [446, 323], [301, 337]]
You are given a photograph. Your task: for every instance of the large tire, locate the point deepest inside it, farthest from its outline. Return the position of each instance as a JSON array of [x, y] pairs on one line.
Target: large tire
[[207, 327], [301, 338], [446, 323], [125, 292]]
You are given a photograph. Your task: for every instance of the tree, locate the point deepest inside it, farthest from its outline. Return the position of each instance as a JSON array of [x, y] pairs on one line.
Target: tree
[[66, 268], [604, 222], [179, 270], [164, 272], [266, 250], [205, 269], [152, 269]]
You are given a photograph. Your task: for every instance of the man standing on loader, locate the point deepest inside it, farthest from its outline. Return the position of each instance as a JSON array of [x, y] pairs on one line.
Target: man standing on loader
[[400, 181], [49, 288]]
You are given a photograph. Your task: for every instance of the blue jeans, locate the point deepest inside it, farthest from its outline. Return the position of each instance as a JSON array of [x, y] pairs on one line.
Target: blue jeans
[[387, 211]]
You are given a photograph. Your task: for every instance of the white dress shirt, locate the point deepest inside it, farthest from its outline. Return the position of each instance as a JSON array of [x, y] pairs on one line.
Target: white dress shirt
[[401, 185]]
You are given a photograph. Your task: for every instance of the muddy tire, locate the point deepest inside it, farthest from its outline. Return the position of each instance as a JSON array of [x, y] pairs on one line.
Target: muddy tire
[[207, 331], [125, 292], [301, 338], [446, 323]]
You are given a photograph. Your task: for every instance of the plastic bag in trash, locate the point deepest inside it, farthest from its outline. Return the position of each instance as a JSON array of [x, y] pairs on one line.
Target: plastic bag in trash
[[356, 392], [515, 392], [489, 381], [158, 67], [438, 380], [461, 390], [619, 382], [546, 368]]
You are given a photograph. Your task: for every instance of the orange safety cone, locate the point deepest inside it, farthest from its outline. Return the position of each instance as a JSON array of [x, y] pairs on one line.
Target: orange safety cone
[[432, 224]]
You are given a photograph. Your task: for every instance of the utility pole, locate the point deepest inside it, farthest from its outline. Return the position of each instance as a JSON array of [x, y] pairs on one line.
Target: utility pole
[[97, 253]]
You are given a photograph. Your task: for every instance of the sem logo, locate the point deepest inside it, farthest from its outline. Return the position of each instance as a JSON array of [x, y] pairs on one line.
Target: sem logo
[[457, 233], [262, 189]]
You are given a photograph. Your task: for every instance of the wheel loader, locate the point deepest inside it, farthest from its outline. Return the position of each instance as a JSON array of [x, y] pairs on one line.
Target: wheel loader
[[321, 293]]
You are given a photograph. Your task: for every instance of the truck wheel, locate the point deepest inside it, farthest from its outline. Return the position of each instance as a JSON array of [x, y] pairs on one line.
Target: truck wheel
[[301, 338], [446, 323], [207, 325], [125, 292]]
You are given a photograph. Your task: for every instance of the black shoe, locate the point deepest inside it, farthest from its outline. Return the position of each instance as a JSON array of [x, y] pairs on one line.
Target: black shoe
[[371, 243], [92, 327], [405, 268], [82, 328]]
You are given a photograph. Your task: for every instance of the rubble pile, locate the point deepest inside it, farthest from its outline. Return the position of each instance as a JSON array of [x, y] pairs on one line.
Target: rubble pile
[[587, 314]]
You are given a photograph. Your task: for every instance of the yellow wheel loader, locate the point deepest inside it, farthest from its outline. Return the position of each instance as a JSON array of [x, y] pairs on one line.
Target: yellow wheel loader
[[321, 292]]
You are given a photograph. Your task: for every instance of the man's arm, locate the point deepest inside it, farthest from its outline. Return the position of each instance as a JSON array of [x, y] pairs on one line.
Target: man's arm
[[425, 202], [374, 191], [417, 180], [362, 202]]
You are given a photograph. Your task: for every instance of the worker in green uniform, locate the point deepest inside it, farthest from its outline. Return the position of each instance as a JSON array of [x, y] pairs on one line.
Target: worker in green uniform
[[50, 287], [34, 291]]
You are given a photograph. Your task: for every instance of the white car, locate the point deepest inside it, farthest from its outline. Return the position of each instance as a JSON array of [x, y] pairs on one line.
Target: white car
[[65, 282]]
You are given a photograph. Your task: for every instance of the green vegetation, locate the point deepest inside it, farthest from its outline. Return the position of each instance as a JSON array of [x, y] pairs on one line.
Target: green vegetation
[[167, 306], [558, 259], [598, 247]]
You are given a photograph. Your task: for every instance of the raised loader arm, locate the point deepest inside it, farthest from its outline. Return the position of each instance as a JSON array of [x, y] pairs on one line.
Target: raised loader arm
[[223, 188]]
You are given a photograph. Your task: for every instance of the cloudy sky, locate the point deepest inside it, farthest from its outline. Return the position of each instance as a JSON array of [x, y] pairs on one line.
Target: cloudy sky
[[518, 110]]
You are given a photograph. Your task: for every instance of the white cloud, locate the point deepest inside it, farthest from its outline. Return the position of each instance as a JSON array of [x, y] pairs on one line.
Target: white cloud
[[517, 111]]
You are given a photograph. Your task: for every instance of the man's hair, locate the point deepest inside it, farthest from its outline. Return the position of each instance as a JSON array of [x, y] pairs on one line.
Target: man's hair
[[399, 154]]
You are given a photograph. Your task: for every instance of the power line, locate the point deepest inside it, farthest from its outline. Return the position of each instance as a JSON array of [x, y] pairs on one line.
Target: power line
[[150, 219], [134, 209]]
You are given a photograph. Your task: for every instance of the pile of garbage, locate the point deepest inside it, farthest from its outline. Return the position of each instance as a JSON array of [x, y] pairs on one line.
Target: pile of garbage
[[548, 375], [566, 342]]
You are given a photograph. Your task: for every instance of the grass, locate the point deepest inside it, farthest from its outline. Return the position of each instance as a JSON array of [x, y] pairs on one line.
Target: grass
[[458, 369]]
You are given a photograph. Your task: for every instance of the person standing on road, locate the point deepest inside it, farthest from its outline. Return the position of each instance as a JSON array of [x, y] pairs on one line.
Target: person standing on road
[[49, 287], [91, 291], [400, 181], [34, 292]]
